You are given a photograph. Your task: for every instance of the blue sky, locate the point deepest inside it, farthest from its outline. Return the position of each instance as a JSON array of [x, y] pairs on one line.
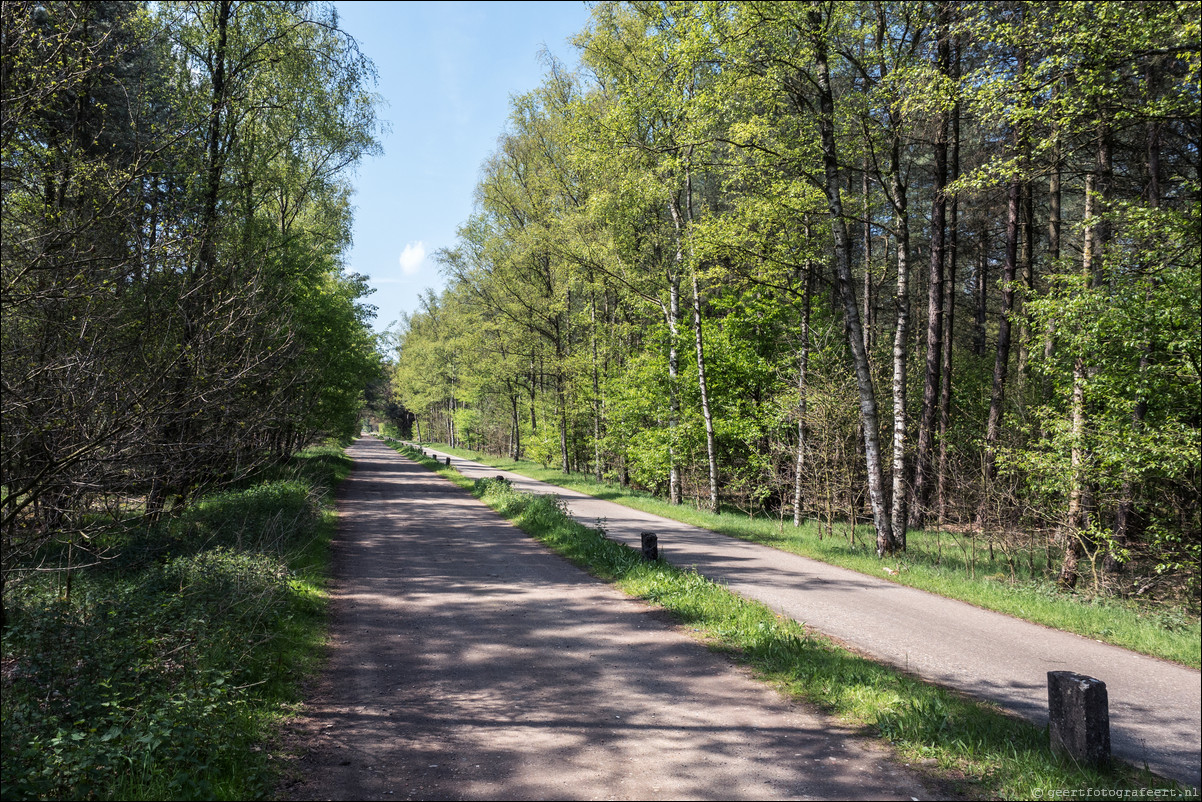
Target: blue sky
[[447, 72]]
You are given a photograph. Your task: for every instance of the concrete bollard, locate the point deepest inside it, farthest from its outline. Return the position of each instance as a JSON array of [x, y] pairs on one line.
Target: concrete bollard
[[650, 546], [1079, 717], [448, 462]]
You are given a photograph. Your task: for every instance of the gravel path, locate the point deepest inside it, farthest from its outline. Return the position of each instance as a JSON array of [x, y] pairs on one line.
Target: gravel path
[[1155, 705], [467, 662]]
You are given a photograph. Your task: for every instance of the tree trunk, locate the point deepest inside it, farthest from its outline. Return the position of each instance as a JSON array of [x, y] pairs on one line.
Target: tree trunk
[[1077, 518], [562, 403], [216, 156], [930, 386], [866, 213], [451, 433], [803, 366], [1129, 523], [710, 444], [901, 346], [516, 442], [1027, 272], [563, 336], [1096, 237], [1049, 332], [533, 390], [1001, 363], [597, 472], [981, 292], [885, 540], [949, 307], [672, 313]]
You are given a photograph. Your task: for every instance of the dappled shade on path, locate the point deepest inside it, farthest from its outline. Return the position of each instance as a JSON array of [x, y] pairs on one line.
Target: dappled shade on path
[[468, 662], [1155, 706]]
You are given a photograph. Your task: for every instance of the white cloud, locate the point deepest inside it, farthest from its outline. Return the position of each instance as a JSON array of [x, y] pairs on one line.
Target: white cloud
[[412, 257]]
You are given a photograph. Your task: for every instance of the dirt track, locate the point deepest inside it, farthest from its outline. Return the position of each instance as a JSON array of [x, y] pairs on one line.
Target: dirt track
[[469, 663]]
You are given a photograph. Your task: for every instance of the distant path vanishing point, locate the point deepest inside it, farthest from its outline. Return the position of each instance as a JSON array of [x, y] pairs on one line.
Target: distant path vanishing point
[[1155, 705]]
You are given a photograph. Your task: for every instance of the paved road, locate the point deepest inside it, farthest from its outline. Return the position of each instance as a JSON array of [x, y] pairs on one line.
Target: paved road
[[468, 662], [1155, 705]]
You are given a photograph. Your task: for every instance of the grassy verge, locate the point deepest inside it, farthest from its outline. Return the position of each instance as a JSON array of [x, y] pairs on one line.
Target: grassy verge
[[985, 752], [160, 673], [942, 563]]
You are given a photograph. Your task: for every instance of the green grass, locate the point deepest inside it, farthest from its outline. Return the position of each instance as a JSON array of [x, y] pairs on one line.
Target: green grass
[[161, 673], [977, 748], [938, 562]]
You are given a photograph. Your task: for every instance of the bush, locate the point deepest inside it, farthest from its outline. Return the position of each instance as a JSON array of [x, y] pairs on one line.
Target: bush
[[155, 676]]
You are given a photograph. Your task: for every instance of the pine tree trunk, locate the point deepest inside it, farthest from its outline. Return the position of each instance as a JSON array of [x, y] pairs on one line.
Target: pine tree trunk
[[949, 308], [1054, 224], [1001, 363], [1027, 273], [803, 365], [930, 385]]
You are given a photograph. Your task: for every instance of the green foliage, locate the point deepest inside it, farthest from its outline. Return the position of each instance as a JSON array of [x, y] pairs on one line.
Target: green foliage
[[689, 148], [158, 675], [1133, 327], [175, 312]]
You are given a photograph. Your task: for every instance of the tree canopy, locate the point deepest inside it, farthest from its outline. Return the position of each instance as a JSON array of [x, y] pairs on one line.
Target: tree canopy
[[176, 183], [693, 267]]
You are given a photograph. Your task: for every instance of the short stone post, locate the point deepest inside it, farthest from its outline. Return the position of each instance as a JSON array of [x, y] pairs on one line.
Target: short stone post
[[448, 462], [1079, 717], [650, 546]]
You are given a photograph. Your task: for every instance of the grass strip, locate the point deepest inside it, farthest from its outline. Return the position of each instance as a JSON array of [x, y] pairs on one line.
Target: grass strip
[[937, 562], [981, 750], [160, 673]]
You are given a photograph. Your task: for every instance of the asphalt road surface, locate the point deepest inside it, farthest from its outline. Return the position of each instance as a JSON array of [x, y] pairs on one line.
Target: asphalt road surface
[[1155, 705], [468, 662]]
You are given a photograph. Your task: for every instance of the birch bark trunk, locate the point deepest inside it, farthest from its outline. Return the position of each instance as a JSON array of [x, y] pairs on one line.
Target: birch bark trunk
[[885, 539], [672, 313]]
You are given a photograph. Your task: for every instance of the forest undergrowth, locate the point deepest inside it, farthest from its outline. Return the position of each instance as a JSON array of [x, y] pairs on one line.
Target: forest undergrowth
[[964, 565], [160, 673]]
